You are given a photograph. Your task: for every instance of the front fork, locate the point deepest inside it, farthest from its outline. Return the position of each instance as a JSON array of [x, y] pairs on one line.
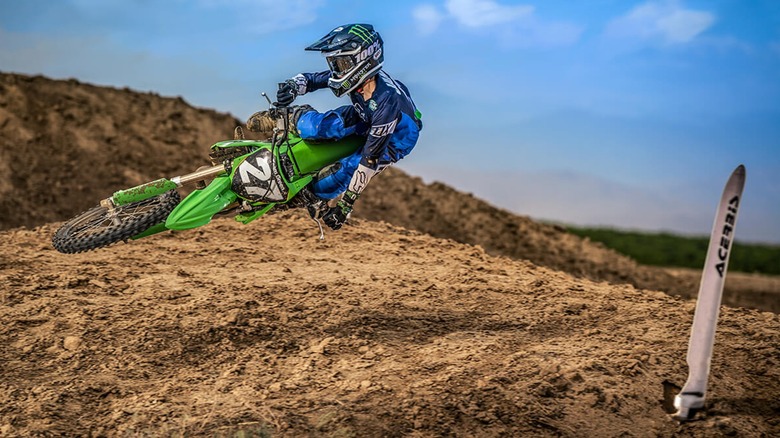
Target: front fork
[[155, 188], [160, 186]]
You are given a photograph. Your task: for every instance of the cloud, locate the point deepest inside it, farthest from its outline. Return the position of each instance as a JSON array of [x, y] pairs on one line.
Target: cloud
[[266, 16], [666, 21], [469, 13], [481, 13], [427, 18], [515, 26], [775, 47]]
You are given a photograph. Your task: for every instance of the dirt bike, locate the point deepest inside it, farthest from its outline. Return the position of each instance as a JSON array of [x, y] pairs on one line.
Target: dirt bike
[[250, 178]]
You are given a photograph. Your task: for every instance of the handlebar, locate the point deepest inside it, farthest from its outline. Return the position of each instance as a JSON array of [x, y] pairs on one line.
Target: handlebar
[[278, 112]]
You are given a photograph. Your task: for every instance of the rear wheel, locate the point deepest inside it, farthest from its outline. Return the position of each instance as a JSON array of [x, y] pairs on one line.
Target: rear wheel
[[99, 227]]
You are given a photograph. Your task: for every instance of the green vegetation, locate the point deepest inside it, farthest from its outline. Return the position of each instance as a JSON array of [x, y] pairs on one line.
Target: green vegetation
[[665, 249]]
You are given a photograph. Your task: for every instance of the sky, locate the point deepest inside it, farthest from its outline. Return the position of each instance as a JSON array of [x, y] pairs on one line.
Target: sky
[[619, 113]]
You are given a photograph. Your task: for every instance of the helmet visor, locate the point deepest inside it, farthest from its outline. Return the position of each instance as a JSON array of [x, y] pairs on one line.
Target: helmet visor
[[340, 65]]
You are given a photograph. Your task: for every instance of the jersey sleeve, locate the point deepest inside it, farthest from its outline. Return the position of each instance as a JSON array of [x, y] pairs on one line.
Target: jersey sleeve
[[316, 81]]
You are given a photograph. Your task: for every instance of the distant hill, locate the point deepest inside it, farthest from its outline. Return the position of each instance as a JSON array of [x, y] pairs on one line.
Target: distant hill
[[666, 249]]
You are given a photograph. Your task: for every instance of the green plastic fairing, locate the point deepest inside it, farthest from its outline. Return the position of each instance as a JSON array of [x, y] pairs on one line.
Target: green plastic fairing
[[200, 206], [144, 191], [310, 157]]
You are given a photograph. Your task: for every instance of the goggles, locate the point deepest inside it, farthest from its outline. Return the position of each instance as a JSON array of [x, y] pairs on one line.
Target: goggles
[[340, 64]]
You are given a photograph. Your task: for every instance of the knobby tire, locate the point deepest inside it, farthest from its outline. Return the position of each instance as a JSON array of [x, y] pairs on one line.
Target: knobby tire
[[97, 227]]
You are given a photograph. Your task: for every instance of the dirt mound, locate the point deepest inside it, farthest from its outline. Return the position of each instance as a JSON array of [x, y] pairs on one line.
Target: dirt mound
[[262, 329], [65, 145], [442, 211]]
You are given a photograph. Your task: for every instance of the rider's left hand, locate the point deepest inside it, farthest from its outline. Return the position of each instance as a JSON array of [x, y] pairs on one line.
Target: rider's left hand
[[336, 216], [286, 93]]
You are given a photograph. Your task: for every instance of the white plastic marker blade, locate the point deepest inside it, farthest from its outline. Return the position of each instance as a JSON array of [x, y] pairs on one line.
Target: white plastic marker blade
[[705, 320]]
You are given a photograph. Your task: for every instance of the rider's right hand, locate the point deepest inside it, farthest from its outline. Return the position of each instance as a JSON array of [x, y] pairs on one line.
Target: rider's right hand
[[286, 93]]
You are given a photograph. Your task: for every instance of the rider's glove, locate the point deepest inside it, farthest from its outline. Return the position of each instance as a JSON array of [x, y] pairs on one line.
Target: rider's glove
[[262, 122], [336, 216], [286, 93]]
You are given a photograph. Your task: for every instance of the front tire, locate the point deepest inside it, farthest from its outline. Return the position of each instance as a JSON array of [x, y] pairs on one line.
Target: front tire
[[99, 227]]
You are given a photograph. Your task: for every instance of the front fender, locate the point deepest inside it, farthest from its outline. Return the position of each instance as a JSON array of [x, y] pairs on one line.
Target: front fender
[[200, 206]]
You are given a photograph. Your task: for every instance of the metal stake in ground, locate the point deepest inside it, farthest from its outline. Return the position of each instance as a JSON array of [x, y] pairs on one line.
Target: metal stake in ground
[[691, 398]]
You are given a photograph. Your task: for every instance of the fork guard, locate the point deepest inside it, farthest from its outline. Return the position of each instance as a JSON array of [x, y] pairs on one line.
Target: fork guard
[[200, 206]]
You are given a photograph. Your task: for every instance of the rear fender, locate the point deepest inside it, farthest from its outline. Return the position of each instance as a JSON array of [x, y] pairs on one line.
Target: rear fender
[[200, 206]]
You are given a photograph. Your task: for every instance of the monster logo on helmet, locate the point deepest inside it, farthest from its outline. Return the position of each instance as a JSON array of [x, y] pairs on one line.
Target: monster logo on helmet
[[354, 53]]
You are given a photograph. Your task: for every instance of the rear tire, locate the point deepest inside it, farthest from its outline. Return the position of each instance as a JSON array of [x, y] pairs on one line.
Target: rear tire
[[96, 228]]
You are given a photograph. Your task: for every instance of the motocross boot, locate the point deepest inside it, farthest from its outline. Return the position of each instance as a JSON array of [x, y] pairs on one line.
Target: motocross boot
[[264, 123], [315, 205]]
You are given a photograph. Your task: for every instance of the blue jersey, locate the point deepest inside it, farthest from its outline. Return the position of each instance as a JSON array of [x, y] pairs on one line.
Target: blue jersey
[[389, 111]]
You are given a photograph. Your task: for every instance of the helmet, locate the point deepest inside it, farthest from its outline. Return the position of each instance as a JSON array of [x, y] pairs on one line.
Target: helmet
[[354, 53]]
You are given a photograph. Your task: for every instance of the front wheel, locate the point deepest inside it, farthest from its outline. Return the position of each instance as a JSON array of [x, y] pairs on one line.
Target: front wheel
[[99, 226]]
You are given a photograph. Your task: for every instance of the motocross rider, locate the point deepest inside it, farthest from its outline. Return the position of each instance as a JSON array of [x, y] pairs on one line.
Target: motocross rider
[[382, 111]]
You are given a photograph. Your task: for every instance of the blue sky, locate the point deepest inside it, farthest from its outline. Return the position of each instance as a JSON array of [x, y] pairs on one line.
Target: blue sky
[[600, 112]]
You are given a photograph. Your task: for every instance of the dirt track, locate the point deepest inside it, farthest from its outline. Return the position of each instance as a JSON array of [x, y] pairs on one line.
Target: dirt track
[[378, 330], [264, 328]]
